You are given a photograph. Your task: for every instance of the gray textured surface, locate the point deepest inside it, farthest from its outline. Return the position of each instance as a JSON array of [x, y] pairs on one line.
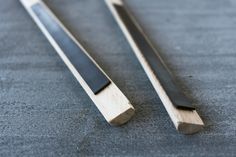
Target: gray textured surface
[[45, 112]]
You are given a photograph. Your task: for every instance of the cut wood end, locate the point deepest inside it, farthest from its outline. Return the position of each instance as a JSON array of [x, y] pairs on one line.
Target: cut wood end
[[119, 2], [123, 117], [189, 128], [29, 3]]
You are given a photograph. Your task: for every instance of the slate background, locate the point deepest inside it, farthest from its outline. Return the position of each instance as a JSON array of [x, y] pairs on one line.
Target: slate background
[[45, 112]]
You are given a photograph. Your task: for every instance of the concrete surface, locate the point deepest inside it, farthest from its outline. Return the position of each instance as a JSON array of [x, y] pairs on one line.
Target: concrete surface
[[45, 112]]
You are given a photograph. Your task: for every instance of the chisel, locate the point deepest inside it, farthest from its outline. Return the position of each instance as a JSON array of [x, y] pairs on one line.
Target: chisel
[[108, 98], [179, 107]]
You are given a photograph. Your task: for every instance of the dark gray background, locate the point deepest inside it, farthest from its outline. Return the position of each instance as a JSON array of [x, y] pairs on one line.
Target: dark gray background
[[45, 112]]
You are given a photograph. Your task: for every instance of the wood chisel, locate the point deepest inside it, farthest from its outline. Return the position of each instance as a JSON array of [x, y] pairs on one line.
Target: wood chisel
[[108, 98], [178, 106]]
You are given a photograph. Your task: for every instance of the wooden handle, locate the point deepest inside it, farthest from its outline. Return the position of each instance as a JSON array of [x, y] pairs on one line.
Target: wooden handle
[[179, 108], [110, 101]]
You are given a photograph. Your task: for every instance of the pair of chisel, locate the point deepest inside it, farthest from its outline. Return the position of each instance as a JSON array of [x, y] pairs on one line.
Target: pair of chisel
[[110, 101]]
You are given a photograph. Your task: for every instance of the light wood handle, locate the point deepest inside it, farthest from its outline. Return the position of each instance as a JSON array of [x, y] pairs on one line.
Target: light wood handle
[[110, 101], [185, 121]]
